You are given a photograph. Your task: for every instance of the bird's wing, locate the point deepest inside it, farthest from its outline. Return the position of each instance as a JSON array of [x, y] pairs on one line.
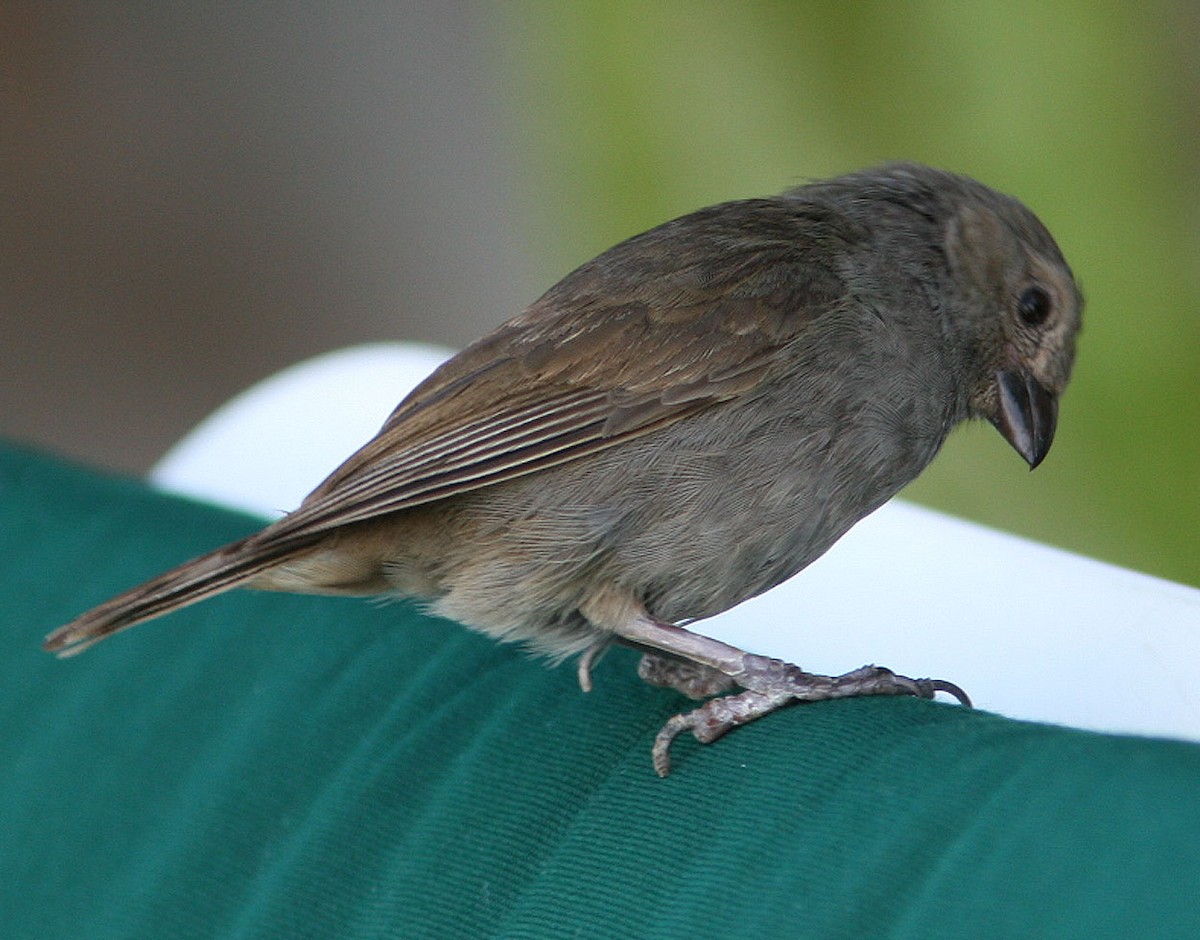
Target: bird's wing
[[591, 364]]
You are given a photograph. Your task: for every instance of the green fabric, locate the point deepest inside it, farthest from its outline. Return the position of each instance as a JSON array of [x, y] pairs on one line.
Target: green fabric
[[275, 766]]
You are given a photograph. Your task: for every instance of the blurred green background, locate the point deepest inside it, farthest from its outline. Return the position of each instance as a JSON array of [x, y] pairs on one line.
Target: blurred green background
[[199, 195], [1086, 111]]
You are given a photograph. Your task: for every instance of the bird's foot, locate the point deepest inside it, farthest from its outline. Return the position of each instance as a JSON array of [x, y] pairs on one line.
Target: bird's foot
[[772, 683], [700, 666], [692, 679]]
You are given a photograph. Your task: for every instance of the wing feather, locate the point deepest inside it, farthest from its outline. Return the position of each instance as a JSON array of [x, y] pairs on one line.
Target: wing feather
[[608, 354]]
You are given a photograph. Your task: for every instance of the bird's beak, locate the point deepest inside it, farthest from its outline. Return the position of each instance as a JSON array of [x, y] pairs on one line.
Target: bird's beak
[[1026, 414]]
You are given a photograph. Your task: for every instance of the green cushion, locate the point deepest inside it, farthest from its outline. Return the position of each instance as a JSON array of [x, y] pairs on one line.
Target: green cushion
[[276, 766]]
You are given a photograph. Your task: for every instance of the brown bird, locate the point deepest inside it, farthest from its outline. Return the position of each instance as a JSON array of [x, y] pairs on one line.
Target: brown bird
[[680, 424]]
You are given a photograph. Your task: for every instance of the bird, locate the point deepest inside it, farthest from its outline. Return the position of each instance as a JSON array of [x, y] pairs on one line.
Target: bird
[[681, 423]]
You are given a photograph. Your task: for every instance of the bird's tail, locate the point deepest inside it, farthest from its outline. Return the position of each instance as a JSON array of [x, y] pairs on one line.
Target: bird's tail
[[213, 573]]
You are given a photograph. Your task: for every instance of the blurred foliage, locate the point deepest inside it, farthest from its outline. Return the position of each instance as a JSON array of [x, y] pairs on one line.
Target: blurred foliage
[[627, 113]]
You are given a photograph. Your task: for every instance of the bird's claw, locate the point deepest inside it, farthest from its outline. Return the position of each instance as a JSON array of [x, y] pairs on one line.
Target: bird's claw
[[773, 684]]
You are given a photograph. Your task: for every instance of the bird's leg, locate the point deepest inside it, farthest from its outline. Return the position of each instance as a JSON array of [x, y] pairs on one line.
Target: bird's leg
[[588, 659], [698, 665]]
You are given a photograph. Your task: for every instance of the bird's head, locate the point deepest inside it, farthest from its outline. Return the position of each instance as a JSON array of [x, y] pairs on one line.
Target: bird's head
[[1023, 308]]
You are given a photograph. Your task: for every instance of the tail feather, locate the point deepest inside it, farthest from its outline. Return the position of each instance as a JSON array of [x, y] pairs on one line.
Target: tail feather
[[210, 574]]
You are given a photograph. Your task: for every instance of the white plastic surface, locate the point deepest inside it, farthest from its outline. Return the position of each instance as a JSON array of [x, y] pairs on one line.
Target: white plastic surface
[[1029, 631]]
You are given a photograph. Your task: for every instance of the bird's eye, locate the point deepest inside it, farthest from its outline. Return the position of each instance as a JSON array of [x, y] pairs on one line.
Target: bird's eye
[[1033, 306]]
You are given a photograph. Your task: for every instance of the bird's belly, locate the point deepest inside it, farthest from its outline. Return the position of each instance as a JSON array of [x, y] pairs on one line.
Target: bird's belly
[[690, 520]]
